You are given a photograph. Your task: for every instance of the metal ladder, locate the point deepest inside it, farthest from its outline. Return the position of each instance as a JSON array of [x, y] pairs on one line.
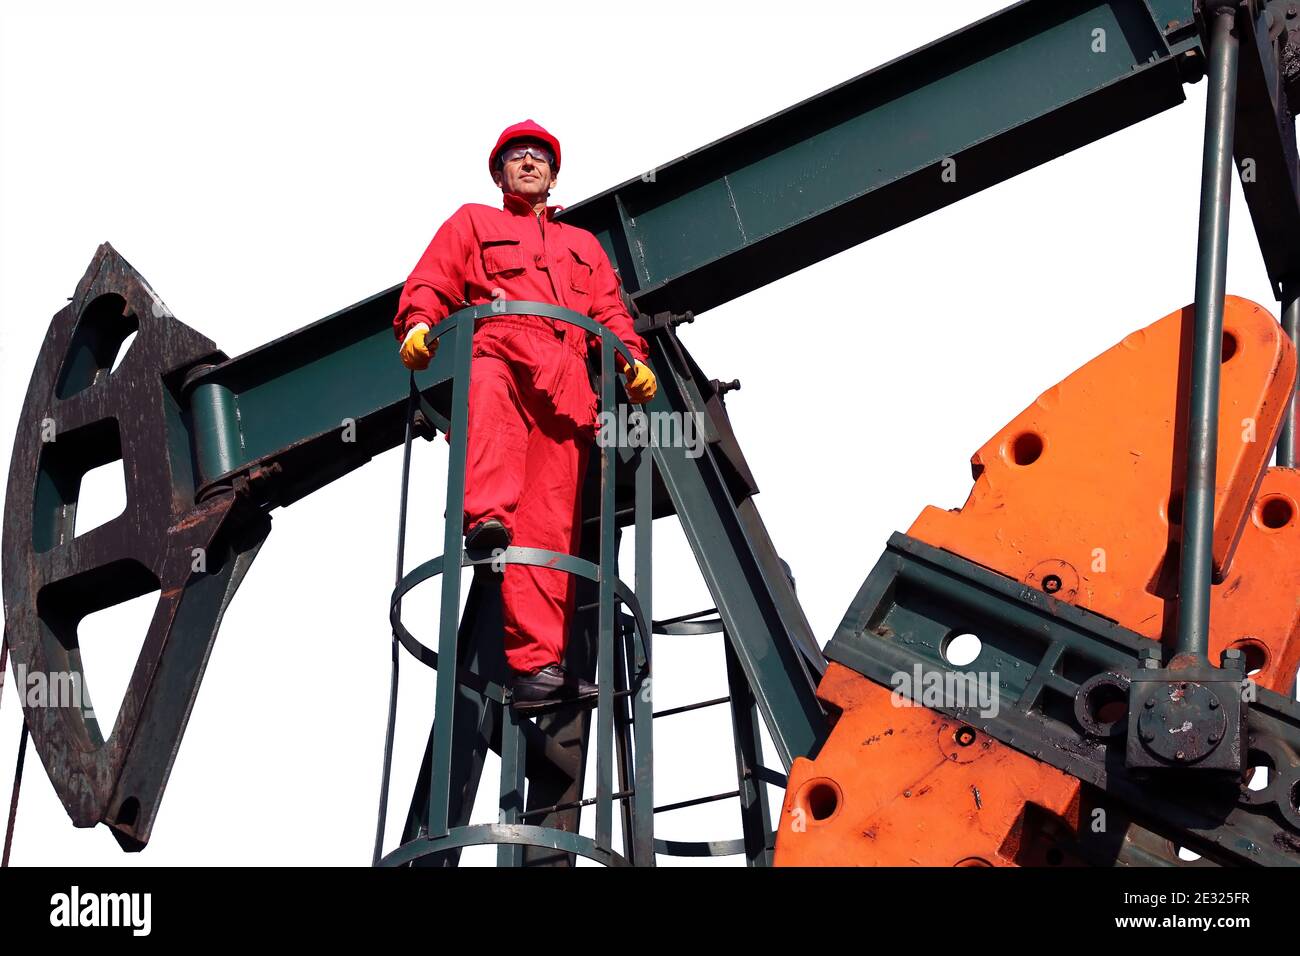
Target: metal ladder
[[623, 711]]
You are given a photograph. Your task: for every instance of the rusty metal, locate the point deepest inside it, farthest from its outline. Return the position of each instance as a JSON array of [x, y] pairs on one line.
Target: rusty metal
[[53, 579], [1189, 715]]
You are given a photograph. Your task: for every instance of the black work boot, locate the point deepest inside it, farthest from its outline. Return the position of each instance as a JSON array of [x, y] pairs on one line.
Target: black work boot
[[549, 687], [487, 536]]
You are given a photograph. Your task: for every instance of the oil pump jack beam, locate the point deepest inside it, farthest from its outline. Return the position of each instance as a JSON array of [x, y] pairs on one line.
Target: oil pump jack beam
[[966, 112], [214, 443], [950, 119]]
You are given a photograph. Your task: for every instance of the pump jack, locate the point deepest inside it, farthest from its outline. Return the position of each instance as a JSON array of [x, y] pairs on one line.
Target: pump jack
[[1142, 646]]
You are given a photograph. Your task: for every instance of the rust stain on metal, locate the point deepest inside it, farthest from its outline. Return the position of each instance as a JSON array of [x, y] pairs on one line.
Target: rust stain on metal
[[116, 775]]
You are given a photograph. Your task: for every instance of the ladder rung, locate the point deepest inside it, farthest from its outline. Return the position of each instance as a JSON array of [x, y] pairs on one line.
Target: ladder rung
[[685, 707], [621, 513], [697, 801], [574, 805], [595, 604], [617, 694]]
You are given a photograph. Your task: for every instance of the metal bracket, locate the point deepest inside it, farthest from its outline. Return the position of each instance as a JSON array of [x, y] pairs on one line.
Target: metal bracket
[[1188, 715]]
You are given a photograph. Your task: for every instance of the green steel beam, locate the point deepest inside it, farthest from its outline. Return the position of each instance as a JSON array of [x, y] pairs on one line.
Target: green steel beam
[[764, 623], [977, 107], [1005, 94]]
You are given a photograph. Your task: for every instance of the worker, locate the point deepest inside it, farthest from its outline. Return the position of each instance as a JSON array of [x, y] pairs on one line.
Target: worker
[[532, 410]]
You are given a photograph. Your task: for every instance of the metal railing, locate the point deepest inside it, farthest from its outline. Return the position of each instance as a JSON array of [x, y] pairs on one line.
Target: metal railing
[[624, 710], [633, 682]]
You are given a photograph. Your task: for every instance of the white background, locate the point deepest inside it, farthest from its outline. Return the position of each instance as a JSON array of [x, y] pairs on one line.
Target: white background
[[262, 170]]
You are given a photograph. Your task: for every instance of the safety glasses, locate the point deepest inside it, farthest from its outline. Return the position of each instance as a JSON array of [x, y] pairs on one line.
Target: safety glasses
[[539, 153]]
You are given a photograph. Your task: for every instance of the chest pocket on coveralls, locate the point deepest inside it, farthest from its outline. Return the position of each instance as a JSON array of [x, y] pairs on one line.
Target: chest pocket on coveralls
[[502, 257], [580, 278]]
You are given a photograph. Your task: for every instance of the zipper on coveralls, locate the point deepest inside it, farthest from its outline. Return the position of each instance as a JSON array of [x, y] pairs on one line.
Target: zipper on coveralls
[[556, 327]]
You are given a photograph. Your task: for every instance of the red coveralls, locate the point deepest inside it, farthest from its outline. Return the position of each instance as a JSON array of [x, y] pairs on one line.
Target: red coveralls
[[532, 412]]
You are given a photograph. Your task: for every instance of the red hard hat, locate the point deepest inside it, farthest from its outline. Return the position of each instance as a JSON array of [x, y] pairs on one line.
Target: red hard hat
[[525, 130]]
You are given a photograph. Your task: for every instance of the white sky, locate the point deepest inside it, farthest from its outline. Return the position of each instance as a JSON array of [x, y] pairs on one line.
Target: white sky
[[264, 170]]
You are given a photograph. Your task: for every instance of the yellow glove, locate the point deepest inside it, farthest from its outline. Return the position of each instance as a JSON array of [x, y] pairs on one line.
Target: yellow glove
[[417, 351], [641, 384]]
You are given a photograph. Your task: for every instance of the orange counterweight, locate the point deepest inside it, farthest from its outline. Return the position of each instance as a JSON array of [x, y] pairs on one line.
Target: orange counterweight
[[1079, 496]]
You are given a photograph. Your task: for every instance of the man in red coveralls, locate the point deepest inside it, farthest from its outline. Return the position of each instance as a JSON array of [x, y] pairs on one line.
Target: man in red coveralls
[[532, 411]]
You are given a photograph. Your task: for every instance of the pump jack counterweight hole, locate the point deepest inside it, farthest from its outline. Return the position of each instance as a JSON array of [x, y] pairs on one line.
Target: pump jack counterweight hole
[[965, 736], [1229, 347], [1275, 512], [822, 800], [1026, 448]]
